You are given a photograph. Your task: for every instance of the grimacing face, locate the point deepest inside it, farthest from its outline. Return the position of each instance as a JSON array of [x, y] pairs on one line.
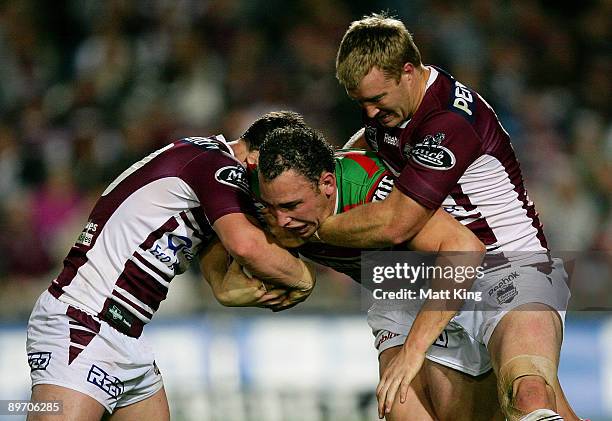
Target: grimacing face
[[389, 101], [297, 203]]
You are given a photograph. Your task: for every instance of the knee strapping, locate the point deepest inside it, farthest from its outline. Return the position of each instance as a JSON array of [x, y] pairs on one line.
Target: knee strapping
[[517, 367]]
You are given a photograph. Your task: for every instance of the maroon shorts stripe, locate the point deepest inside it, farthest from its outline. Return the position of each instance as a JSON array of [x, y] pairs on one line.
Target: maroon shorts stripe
[[78, 336], [83, 318], [81, 337]]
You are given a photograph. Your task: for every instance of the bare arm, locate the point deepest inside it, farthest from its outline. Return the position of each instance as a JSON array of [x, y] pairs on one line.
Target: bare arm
[[255, 250], [393, 221], [442, 233], [230, 286], [357, 141]]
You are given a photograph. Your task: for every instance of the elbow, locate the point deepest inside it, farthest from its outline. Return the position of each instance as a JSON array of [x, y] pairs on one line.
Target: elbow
[[472, 243], [244, 250], [225, 299], [468, 242]]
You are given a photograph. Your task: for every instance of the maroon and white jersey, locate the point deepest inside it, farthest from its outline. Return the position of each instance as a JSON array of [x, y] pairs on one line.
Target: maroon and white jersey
[[455, 153], [147, 227]]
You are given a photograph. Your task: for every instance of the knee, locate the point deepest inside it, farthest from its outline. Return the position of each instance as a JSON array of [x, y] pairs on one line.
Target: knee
[[531, 393], [524, 385]]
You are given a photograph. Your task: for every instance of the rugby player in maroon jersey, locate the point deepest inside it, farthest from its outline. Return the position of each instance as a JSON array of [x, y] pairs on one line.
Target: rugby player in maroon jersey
[[85, 340], [447, 149]]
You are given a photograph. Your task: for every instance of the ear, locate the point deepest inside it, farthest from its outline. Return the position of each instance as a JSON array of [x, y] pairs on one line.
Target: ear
[[408, 68], [327, 183], [252, 158]]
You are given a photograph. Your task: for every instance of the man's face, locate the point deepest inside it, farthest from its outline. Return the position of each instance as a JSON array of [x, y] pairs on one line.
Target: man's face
[[386, 99], [297, 203]]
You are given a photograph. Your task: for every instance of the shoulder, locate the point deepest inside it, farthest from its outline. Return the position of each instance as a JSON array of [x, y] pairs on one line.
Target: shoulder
[[357, 162]]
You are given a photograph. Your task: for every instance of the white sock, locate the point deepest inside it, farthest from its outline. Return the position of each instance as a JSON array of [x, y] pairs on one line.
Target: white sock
[[542, 415]]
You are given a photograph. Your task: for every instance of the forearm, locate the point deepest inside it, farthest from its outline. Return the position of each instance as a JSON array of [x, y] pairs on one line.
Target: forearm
[[392, 221], [273, 264], [427, 327], [361, 227], [256, 250], [213, 265]]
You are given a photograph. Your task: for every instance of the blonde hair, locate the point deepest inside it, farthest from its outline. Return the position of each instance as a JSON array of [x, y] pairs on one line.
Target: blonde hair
[[376, 40]]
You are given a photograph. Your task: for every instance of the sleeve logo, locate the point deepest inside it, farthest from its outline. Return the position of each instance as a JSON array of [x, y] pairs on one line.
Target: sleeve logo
[[430, 154], [234, 176]]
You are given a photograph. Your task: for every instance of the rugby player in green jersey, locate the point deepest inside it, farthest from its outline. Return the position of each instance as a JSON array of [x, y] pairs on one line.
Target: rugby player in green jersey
[[302, 182]]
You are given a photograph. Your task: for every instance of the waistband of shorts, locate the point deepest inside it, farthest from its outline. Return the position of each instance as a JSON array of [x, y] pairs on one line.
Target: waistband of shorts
[[133, 328]]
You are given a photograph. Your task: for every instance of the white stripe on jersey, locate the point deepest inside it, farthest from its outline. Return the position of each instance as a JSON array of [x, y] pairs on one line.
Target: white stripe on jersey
[[129, 296], [144, 268], [127, 228], [487, 186], [125, 174]]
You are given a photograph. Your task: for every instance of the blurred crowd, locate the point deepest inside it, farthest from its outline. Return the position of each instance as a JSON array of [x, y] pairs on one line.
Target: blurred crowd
[[87, 87]]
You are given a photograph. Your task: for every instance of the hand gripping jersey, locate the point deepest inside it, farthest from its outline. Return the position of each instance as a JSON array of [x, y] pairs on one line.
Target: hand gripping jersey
[[147, 227], [455, 153]]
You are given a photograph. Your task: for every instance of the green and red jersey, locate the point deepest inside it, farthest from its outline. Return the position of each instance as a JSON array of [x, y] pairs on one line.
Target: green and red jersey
[[361, 177]]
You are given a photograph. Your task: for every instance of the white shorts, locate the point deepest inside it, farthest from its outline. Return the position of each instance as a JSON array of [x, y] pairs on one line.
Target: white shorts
[[88, 355], [462, 344]]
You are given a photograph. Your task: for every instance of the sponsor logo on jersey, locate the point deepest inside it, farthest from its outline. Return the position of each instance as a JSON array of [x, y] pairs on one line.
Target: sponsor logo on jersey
[[462, 101], [119, 317], [383, 189], [110, 384], [386, 335], [429, 153], [391, 140], [87, 235], [505, 290], [39, 360], [156, 368], [442, 340], [176, 244], [370, 136], [234, 176]]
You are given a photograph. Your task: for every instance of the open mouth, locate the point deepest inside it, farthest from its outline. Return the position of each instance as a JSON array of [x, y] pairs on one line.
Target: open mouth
[[385, 118], [300, 230]]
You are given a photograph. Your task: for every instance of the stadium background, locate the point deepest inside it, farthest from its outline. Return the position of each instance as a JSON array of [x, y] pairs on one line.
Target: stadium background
[[88, 87]]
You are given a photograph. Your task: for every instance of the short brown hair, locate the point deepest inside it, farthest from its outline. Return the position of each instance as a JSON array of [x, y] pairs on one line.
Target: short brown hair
[[257, 132], [377, 40]]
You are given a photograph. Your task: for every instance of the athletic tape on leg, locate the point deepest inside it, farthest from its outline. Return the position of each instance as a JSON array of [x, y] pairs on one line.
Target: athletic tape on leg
[[521, 366]]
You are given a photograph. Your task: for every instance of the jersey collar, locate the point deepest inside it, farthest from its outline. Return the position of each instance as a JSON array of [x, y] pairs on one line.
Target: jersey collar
[[221, 139]]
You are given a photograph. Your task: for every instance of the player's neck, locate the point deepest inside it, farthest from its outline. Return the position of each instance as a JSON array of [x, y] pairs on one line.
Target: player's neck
[[423, 76], [240, 150]]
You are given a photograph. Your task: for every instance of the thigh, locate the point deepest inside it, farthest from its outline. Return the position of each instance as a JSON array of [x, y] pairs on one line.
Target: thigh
[[532, 329], [154, 408], [417, 406], [459, 396], [76, 406]]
